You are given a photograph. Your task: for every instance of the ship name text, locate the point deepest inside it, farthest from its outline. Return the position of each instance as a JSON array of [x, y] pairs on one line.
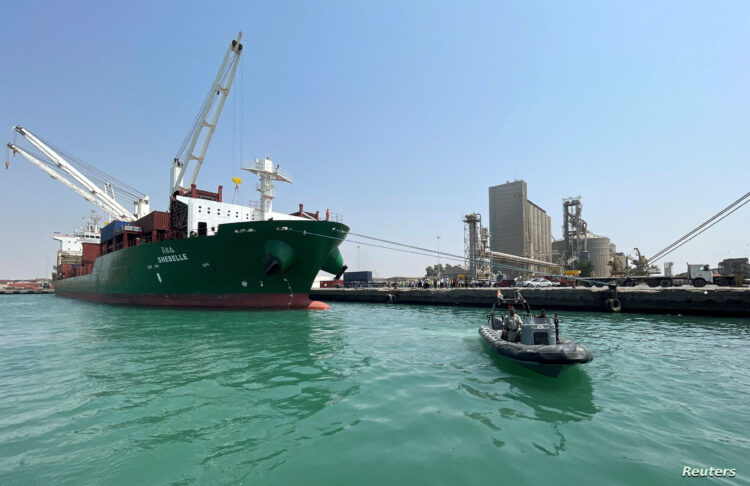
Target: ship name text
[[179, 257]]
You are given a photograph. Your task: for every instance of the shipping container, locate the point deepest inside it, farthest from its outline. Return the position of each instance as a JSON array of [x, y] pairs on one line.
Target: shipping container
[[91, 252], [128, 227], [156, 220], [110, 229], [363, 276]]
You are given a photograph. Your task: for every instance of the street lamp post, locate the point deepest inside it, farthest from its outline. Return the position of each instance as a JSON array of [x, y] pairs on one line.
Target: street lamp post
[[438, 254], [358, 258]]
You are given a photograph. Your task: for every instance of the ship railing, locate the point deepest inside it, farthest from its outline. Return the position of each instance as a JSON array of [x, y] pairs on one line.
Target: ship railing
[[254, 204], [283, 173], [337, 218]]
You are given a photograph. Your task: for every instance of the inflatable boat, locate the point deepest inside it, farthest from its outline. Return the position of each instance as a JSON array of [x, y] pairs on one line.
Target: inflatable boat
[[538, 346]]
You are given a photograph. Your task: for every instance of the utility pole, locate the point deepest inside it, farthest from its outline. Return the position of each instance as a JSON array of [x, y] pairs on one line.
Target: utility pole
[[358, 258], [438, 254]]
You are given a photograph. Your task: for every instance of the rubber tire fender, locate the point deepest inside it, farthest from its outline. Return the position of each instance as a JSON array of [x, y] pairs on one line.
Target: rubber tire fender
[[613, 305]]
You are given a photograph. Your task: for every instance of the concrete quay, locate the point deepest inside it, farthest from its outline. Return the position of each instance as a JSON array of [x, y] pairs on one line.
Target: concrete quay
[[714, 301], [26, 291]]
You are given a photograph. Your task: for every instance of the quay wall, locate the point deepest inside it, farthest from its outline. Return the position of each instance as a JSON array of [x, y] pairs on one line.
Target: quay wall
[[26, 291], [688, 300]]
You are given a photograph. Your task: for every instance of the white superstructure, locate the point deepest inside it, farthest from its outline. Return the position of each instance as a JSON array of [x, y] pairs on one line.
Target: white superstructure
[[71, 246], [205, 216]]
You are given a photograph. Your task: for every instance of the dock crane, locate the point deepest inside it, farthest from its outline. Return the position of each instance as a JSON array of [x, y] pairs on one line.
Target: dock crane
[[57, 167], [219, 91], [79, 184]]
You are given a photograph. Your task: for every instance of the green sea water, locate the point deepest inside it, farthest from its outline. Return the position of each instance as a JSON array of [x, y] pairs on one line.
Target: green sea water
[[363, 394]]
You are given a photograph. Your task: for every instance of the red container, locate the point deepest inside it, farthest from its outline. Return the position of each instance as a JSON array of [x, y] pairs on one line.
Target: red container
[[91, 252], [155, 220]]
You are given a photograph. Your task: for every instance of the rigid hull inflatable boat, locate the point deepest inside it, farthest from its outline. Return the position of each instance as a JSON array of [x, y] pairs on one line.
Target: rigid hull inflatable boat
[[538, 346]]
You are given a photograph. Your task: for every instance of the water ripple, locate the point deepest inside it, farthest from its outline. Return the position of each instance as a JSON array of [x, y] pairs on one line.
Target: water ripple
[[112, 395]]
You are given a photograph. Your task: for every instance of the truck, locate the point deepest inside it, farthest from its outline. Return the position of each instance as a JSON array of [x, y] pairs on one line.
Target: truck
[[697, 275]]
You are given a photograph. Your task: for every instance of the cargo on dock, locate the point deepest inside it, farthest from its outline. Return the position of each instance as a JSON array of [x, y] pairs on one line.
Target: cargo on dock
[[687, 300]]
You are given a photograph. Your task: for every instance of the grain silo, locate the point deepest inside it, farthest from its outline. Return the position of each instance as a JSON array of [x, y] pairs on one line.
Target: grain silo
[[558, 249], [599, 248]]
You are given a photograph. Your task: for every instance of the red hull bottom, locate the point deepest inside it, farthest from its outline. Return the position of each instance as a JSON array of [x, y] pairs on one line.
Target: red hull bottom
[[211, 301]]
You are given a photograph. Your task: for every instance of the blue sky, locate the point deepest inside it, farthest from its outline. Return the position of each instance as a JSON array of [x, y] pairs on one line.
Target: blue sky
[[398, 115]]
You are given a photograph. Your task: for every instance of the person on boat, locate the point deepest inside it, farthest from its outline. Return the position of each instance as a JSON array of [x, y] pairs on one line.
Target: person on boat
[[542, 314], [513, 325]]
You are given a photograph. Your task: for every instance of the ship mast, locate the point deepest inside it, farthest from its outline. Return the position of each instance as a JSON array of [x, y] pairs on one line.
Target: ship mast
[[267, 174]]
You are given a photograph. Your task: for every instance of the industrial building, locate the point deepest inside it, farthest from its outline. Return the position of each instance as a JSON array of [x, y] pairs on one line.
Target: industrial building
[[481, 261], [599, 250], [579, 244], [518, 226]]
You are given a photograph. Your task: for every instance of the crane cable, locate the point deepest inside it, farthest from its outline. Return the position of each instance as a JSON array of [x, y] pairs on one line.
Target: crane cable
[[685, 239], [716, 218], [416, 250], [97, 175], [210, 99], [702, 227], [91, 172]]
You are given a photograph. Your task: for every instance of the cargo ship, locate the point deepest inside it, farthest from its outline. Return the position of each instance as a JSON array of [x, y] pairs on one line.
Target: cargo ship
[[203, 252]]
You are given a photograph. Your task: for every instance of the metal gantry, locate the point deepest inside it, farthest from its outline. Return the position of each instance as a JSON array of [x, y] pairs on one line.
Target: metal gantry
[[478, 256], [575, 230], [74, 180], [209, 110], [476, 246]]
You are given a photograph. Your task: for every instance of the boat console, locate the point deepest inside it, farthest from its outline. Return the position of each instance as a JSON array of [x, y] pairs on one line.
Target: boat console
[[538, 330]]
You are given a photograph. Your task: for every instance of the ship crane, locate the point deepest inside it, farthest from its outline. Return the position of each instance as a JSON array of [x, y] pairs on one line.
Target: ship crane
[[219, 91], [80, 184]]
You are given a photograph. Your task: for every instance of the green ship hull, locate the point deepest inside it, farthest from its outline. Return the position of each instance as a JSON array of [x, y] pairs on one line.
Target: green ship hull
[[249, 265]]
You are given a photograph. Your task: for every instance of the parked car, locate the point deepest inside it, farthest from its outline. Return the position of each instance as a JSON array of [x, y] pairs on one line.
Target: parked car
[[567, 282], [508, 282], [537, 282]]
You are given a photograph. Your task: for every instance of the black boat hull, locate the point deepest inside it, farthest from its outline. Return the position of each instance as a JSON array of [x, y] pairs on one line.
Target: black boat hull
[[550, 360]]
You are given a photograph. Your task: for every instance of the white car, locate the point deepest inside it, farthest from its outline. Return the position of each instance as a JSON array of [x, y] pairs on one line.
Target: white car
[[538, 282]]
